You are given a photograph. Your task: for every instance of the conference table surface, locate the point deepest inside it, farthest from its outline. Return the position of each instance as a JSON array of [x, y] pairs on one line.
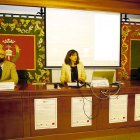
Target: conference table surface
[[50, 86]]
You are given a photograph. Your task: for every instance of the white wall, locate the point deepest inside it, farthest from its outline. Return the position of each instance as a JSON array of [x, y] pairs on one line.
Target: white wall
[[19, 9]]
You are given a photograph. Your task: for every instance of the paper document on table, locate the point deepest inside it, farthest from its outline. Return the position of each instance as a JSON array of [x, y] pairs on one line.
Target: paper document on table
[[45, 113], [81, 111], [118, 108], [7, 85], [137, 107]]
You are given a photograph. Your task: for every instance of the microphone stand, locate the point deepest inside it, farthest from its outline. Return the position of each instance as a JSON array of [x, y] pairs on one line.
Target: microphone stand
[[78, 84]]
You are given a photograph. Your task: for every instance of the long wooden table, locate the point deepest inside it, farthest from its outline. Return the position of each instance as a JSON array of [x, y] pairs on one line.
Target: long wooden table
[[17, 113]]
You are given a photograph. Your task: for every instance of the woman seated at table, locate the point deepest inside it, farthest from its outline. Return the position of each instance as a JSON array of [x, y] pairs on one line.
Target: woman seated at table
[[72, 70]]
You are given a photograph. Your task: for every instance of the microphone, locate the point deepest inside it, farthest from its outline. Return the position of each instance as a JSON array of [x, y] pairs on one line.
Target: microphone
[[78, 84]]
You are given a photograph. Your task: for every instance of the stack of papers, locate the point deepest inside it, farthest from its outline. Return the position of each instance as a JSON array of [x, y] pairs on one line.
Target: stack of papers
[[100, 83]]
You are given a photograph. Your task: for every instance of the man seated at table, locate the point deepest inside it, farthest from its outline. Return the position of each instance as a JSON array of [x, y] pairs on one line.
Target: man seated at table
[[8, 71]]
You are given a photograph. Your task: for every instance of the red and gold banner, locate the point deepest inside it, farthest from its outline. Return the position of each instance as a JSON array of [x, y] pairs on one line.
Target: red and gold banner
[[129, 32], [20, 49]]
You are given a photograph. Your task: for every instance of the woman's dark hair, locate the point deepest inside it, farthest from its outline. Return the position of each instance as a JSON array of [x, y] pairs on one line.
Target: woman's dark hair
[[69, 53]]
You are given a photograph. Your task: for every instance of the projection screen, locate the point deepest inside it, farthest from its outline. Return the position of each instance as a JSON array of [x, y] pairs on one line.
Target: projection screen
[[94, 34]]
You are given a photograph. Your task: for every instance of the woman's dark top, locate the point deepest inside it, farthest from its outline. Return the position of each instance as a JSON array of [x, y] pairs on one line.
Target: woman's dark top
[[74, 74]]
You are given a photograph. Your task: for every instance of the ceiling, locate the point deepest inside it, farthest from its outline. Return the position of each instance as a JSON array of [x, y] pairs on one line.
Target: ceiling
[[122, 6], [133, 1]]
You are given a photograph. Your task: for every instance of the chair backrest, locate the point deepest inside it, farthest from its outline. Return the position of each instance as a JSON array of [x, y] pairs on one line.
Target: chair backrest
[[23, 76], [135, 74]]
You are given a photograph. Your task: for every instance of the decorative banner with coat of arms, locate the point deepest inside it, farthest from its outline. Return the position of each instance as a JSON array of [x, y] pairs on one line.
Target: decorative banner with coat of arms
[[22, 37], [20, 49]]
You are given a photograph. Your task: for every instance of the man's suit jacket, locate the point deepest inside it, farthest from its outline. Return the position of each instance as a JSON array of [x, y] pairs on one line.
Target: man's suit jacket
[[66, 73], [9, 73]]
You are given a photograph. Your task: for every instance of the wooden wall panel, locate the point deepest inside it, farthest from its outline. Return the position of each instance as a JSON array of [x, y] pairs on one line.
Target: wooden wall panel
[[11, 122]]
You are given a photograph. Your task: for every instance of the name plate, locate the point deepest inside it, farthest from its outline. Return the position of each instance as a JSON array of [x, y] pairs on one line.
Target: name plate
[[7, 85]]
